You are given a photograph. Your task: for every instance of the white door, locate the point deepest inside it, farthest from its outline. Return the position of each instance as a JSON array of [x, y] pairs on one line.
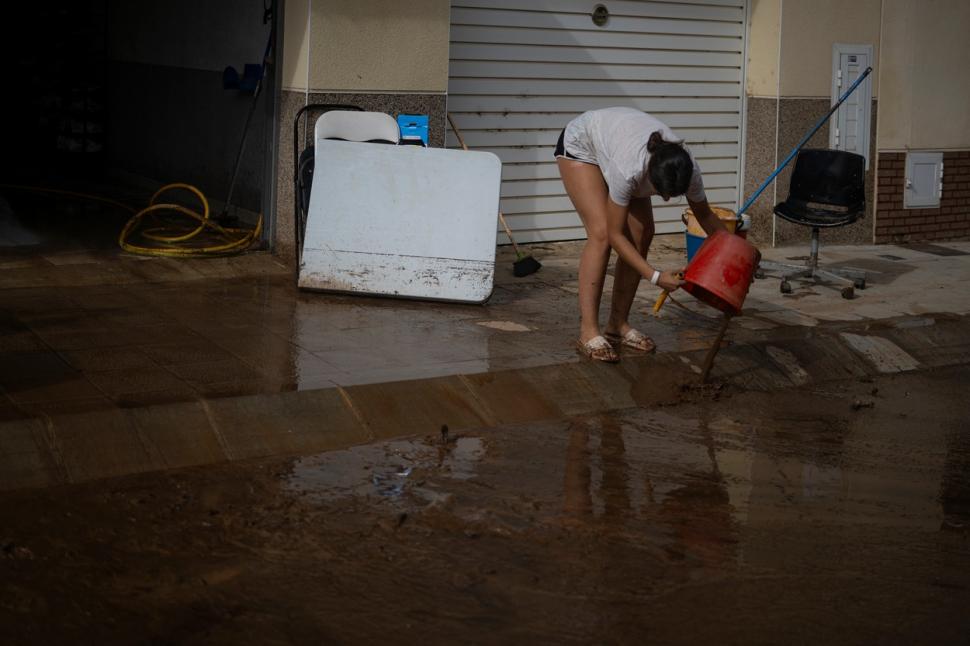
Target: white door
[[849, 129], [521, 69]]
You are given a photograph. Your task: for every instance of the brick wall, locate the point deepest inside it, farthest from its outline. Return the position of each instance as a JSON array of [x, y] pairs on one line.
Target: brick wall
[[950, 221]]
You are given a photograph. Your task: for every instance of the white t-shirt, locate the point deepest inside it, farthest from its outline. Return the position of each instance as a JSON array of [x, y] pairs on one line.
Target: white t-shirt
[[615, 139]]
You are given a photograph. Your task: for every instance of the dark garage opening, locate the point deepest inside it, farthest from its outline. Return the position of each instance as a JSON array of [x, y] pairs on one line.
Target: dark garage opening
[[114, 99]]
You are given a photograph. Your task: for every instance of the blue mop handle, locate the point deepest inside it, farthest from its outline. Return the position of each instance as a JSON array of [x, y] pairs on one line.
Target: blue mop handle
[[801, 143]]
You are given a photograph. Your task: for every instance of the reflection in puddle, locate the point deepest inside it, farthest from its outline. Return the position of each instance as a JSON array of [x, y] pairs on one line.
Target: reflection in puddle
[[759, 518], [385, 470]]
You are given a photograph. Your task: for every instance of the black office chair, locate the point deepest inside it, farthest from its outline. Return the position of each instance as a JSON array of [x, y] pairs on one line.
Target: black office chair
[[827, 190]]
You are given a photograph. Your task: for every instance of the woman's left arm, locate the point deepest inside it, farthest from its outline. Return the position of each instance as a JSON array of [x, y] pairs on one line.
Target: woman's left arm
[[616, 228], [705, 217]]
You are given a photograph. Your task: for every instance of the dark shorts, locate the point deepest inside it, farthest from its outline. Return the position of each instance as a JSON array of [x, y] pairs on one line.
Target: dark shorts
[[561, 149]]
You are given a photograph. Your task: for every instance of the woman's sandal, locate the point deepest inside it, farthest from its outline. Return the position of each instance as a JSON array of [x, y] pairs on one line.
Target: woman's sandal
[[598, 349], [634, 340]]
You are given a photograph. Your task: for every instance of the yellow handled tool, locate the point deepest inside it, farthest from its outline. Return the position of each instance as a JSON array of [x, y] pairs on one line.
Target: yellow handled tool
[[663, 296]]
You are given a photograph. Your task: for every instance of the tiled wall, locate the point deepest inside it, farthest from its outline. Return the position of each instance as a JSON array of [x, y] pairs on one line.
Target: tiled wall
[[759, 160], [950, 221]]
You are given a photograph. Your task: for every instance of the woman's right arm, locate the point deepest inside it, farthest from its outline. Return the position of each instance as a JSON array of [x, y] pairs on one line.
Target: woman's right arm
[[617, 229]]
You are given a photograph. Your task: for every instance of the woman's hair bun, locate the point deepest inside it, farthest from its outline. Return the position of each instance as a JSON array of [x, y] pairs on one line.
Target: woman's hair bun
[[655, 141]]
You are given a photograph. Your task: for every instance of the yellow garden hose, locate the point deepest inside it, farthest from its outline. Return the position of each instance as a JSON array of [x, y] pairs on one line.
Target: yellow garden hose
[[234, 239], [181, 242]]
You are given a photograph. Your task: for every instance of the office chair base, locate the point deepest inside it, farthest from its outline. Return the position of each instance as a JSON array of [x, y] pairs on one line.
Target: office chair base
[[850, 279], [848, 293]]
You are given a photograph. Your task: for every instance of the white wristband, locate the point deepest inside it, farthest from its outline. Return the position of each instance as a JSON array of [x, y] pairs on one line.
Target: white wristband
[[656, 277]]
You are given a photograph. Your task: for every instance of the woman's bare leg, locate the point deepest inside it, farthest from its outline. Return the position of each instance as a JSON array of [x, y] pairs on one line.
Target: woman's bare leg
[[588, 192], [626, 280]]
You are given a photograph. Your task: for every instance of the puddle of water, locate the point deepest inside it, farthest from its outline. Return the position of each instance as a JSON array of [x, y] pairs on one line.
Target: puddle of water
[[921, 321], [387, 470], [954, 496]]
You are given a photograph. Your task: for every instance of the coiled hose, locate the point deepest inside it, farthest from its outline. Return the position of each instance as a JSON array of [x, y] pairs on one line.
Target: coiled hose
[[172, 240]]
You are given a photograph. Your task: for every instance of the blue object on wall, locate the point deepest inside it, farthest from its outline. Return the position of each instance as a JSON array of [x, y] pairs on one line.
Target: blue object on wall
[[414, 128]]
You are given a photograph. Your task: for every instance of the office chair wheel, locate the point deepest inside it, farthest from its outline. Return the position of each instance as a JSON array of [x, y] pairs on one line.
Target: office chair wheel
[[860, 283], [785, 287], [848, 292], [759, 274]]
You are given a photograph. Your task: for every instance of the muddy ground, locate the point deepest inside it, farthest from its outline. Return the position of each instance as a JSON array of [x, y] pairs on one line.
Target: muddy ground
[[839, 514]]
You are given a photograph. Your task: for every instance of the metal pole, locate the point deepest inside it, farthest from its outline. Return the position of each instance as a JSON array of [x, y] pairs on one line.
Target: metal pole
[[224, 216]]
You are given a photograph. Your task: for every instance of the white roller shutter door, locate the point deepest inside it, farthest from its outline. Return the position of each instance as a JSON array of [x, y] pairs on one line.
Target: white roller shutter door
[[520, 70]]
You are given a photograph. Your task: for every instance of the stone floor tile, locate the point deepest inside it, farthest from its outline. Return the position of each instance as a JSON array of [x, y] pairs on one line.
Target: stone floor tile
[[54, 407], [406, 407], [25, 457], [210, 372], [315, 421], [181, 393], [179, 433], [101, 444], [117, 358], [790, 317], [167, 353], [125, 381]]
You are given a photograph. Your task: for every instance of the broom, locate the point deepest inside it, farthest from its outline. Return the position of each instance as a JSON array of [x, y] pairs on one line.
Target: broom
[[523, 265]]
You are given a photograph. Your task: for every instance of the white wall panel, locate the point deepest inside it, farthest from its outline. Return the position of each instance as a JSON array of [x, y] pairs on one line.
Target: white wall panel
[[519, 71]]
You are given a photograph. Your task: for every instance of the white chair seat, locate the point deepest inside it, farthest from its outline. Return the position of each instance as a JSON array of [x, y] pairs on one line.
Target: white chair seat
[[357, 126]]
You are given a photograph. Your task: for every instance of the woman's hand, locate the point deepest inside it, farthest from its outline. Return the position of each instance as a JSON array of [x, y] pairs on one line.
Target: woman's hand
[[671, 280]]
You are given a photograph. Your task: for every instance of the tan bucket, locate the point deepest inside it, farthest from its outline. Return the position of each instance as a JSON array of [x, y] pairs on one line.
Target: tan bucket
[[727, 217]]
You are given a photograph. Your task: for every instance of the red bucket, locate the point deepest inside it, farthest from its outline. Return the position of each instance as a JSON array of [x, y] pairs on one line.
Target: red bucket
[[721, 272]]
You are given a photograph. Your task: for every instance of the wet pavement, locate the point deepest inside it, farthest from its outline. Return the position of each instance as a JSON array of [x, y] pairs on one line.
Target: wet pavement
[[192, 451], [837, 514], [103, 354], [85, 330], [84, 326]]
